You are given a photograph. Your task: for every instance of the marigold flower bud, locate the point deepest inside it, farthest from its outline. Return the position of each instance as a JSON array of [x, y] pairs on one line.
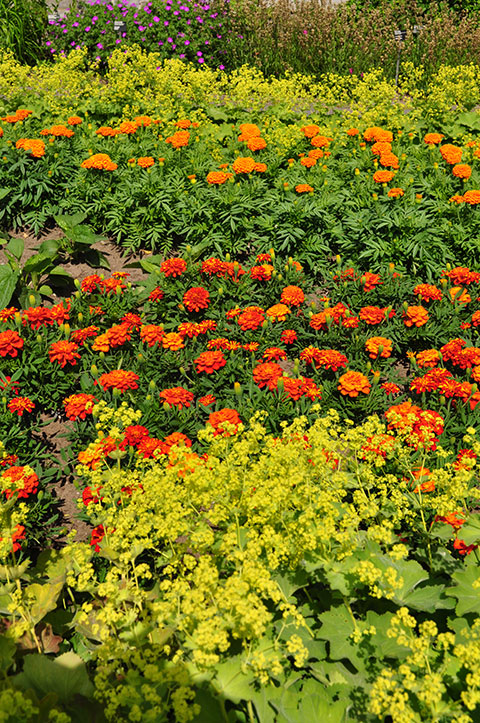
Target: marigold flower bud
[[166, 407], [94, 370], [31, 299]]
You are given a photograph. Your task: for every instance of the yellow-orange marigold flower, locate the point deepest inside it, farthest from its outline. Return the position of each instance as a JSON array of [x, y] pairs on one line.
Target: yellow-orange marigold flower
[[303, 188], [36, 147], [428, 358], [373, 345], [451, 154], [249, 130], [415, 316], [179, 139], [172, 341], [292, 295], [462, 170], [320, 141], [278, 312], [244, 165], [145, 161], [308, 162], [378, 134], [383, 176], [216, 178], [433, 138], [310, 131], [351, 384], [100, 161], [256, 144], [472, 197], [395, 192], [128, 127]]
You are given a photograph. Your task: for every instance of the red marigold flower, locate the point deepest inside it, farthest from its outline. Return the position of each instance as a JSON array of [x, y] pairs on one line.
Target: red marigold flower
[[177, 438], [462, 276], [92, 283], [466, 459], [64, 352], [37, 316], [119, 379], [79, 336], [10, 343], [213, 267], [278, 312], [196, 298], [131, 320], [207, 400], [390, 388], [262, 273], [209, 361], [177, 397], [172, 341], [292, 295], [351, 384], [476, 318], [251, 346], [267, 374], [17, 534], [98, 533], [251, 318], [8, 314], [415, 316], [372, 315], [134, 434], [22, 480], [274, 353], [452, 349], [462, 548], [190, 329], [156, 295], [77, 406], [428, 292], [371, 281], [423, 473], [378, 346], [331, 359], [224, 418], [288, 336], [173, 267], [149, 447], [19, 405], [428, 358], [151, 334], [9, 386]]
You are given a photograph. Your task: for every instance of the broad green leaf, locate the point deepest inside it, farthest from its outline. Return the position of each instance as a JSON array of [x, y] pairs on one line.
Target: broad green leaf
[[230, 682], [66, 676], [7, 653], [467, 588], [337, 626], [58, 271], [45, 290], [66, 221], [49, 247], [45, 599], [8, 282], [470, 532], [290, 582], [16, 246]]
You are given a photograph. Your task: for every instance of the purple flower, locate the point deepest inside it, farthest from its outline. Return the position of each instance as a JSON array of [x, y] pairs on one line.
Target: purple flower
[[75, 25], [99, 46], [166, 23], [199, 53], [182, 56], [94, 19], [48, 43], [87, 28], [186, 42], [200, 20], [156, 19], [169, 40], [201, 60], [221, 67]]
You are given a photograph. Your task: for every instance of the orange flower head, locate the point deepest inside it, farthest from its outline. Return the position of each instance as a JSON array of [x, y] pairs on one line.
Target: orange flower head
[[177, 397], [77, 406], [383, 176], [225, 422], [183, 123], [378, 346], [249, 130], [217, 178], [172, 341], [19, 405], [462, 170], [256, 144], [428, 358], [278, 312], [428, 292], [10, 343], [381, 147], [320, 141], [146, 162], [196, 298], [100, 162], [119, 379], [310, 131], [180, 139], [415, 316], [209, 362], [433, 139], [243, 165], [472, 197], [351, 384], [352, 132], [267, 374], [251, 318], [303, 188], [173, 267], [372, 315], [64, 352], [378, 135], [395, 193], [292, 296], [35, 147], [451, 154], [308, 162], [128, 127], [389, 160]]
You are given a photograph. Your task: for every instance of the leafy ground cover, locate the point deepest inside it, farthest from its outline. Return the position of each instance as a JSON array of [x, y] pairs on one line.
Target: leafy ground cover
[[270, 426]]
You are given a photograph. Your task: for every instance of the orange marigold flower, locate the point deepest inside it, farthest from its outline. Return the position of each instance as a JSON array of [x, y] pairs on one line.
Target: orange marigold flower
[[100, 161], [353, 132], [381, 147], [79, 336], [172, 341], [222, 420], [371, 281], [143, 121], [472, 197], [217, 178], [256, 144], [415, 316], [372, 315], [179, 139], [351, 384], [451, 154], [267, 374], [315, 153], [423, 473], [248, 130], [308, 162], [177, 397], [173, 267], [156, 295], [101, 343], [146, 162], [428, 358], [292, 295], [243, 165], [36, 147], [310, 131], [433, 139], [251, 318], [196, 298], [183, 123], [462, 276], [378, 134], [262, 273], [428, 292], [330, 359], [19, 405], [207, 400], [61, 131], [10, 343], [289, 336], [458, 293], [128, 127], [303, 188], [106, 131], [23, 480], [74, 120], [462, 170], [396, 193], [378, 346], [390, 388], [64, 352], [389, 160], [456, 199], [278, 312], [77, 406], [274, 353], [383, 176], [320, 141], [119, 379], [209, 361]]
